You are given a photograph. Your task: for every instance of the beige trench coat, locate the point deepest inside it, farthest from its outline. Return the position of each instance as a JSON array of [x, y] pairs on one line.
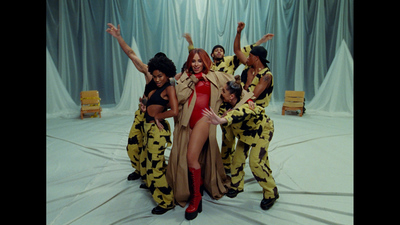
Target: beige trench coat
[[216, 182]]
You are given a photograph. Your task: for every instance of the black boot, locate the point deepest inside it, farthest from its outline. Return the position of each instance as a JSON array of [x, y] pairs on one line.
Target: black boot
[[134, 176], [159, 210], [267, 203], [232, 193]]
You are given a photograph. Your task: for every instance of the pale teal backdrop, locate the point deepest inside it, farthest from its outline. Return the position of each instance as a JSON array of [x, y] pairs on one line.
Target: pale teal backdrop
[[307, 35]]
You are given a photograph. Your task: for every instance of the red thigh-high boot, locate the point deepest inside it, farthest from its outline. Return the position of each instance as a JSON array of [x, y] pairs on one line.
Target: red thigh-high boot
[[195, 205]]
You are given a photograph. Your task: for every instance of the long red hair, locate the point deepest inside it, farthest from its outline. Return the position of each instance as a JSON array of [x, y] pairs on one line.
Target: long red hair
[[204, 58]]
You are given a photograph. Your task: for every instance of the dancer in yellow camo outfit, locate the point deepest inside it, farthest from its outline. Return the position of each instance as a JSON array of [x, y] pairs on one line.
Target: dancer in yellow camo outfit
[[254, 128], [150, 134], [157, 132], [135, 140], [136, 134], [256, 78]]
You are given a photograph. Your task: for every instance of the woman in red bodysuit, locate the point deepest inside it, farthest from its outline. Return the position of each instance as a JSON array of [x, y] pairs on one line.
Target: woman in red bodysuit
[[203, 91], [195, 149], [199, 129]]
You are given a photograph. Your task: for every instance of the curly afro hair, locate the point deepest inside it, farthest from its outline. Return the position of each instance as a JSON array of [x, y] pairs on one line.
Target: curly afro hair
[[163, 64]]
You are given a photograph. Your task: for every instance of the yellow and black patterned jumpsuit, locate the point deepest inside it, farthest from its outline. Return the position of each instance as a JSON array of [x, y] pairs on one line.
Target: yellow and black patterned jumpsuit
[[255, 129], [228, 65], [228, 140]]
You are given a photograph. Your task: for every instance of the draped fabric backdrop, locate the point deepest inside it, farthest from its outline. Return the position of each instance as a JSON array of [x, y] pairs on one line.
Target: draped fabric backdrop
[[307, 37]]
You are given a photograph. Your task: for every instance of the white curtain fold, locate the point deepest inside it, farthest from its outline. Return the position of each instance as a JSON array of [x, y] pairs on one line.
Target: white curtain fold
[[58, 100], [335, 94]]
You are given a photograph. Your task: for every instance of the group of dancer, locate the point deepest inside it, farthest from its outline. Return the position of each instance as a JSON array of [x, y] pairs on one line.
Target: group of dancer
[[203, 95]]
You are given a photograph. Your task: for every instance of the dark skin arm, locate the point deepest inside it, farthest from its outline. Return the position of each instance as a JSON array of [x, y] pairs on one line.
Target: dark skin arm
[[236, 43], [116, 32], [264, 83]]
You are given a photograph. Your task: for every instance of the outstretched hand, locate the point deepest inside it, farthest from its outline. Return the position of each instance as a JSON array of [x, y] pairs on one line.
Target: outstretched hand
[[113, 30], [212, 117], [267, 37], [188, 38]]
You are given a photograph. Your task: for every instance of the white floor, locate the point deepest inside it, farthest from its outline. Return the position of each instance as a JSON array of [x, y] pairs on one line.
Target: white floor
[[311, 158]]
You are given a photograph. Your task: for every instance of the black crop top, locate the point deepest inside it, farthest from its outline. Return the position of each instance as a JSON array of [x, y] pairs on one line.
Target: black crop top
[[149, 87], [156, 99]]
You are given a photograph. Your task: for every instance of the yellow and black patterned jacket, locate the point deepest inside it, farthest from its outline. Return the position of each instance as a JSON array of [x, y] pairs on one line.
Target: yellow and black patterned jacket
[[247, 125], [229, 64], [264, 98]]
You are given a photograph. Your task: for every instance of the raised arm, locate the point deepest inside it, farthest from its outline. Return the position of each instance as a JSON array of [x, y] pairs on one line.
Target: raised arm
[[236, 44], [189, 40], [264, 39], [128, 51]]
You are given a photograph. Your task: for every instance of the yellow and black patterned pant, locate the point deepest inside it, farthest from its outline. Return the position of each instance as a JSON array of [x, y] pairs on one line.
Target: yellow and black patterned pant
[[259, 163], [155, 143], [135, 144], [228, 146], [228, 139]]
